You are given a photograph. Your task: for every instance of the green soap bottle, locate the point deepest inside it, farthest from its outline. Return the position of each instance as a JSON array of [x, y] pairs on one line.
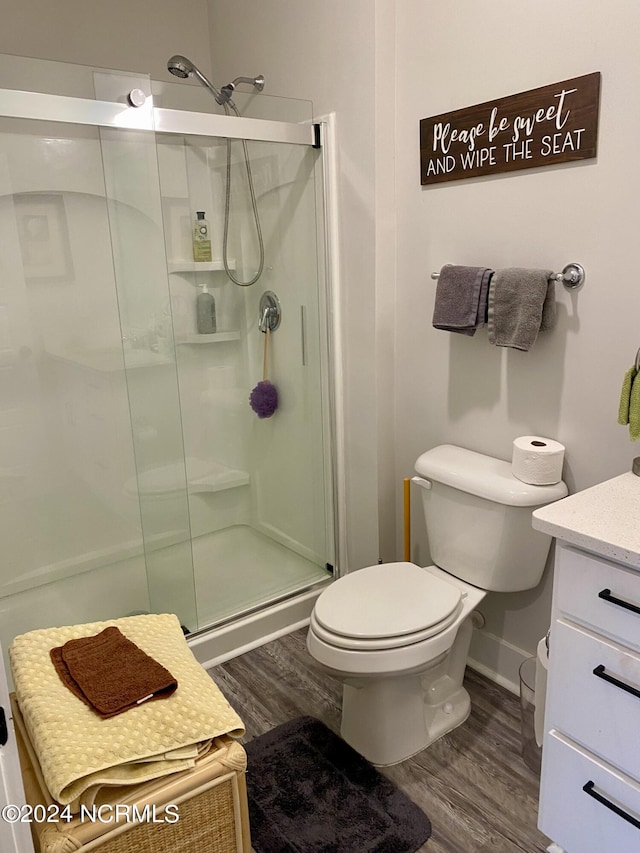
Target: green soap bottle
[[201, 238]]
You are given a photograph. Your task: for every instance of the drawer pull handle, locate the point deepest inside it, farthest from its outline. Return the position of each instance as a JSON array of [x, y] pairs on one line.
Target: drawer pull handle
[[606, 594], [600, 672], [589, 789]]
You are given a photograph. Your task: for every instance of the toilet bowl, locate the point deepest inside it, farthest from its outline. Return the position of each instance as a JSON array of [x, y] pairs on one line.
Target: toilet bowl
[[401, 676], [397, 635]]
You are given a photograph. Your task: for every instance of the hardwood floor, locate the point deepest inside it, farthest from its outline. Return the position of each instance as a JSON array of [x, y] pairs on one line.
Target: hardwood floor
[[472, 783]]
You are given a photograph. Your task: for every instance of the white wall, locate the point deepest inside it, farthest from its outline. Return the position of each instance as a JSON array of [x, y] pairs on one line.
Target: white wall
[[325, 52], [131, 35], [463, 390], [389, 485]]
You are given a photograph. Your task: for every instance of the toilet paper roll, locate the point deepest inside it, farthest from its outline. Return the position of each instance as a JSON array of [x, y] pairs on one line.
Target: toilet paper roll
[[537, 460]]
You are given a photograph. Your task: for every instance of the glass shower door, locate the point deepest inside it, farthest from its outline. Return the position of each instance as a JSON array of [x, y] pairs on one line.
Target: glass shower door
[[261, 513], [71, 536], [130, 164]]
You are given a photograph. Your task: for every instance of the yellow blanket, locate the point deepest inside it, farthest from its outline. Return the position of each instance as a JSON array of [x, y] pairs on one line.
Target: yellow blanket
[[78, 751]]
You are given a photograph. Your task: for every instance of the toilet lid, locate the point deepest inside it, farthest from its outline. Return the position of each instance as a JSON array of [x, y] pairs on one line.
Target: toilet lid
[[386, 601]]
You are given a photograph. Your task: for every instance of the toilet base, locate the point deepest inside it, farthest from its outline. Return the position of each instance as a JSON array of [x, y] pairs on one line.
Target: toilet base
[[389, 720]]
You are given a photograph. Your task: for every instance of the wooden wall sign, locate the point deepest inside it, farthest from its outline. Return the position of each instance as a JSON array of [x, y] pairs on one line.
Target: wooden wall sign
[[541, 127]]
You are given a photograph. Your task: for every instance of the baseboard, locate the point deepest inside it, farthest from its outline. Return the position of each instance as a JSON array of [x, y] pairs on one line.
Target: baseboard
[[496, 659]]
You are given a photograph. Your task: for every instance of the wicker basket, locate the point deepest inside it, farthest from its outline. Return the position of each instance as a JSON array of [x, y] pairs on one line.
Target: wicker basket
[[211, 803]]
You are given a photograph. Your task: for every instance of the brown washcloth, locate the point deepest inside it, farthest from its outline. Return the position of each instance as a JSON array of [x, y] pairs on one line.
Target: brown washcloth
[[461, 299], [111, 674], [521, 304]]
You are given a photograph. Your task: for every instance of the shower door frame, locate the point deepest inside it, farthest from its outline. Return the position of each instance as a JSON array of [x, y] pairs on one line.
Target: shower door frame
[[38, 106], [71, 110]]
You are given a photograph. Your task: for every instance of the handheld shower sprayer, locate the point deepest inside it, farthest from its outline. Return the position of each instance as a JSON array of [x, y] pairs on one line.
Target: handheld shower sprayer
[[182, 67]]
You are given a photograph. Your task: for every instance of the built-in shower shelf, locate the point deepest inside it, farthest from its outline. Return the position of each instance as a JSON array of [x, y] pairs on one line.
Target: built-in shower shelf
[[200, 266], [197, 475], [110, 360], [214, 338], [219, 480]]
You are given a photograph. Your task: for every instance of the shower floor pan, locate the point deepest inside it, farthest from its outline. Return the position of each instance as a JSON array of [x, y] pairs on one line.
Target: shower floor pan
[[249, 588], [238, 569]]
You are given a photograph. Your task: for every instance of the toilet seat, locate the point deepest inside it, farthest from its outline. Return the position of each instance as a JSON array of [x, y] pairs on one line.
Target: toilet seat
[[385, 607], [351, 643]]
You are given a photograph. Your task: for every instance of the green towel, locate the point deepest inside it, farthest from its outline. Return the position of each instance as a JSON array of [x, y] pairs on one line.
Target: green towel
[[634, 410], [625, 396]]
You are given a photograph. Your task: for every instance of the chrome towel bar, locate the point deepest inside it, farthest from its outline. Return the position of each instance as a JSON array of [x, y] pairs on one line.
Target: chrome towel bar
[[572, 276]]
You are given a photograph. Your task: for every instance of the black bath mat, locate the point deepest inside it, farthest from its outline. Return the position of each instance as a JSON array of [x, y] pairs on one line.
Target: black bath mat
[[310, 792]]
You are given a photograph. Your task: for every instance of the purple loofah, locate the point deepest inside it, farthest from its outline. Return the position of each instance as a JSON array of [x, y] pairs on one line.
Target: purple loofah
[[264, 399]]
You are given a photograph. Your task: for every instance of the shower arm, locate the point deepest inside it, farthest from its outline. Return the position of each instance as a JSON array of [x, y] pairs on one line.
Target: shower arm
[[227, 91]]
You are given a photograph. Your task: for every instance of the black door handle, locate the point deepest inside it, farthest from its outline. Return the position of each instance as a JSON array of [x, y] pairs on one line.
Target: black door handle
[[589, 787], [600, 672], [628, 605]]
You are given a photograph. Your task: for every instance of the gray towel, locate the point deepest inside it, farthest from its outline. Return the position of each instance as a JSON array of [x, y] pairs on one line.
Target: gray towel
[[521, 304], [461, 299]]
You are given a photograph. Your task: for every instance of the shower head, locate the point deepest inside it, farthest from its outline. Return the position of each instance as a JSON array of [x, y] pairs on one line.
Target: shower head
[[182, 67]]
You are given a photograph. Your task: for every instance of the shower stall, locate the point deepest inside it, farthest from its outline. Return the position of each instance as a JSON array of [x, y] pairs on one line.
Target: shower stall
[[134, 475]]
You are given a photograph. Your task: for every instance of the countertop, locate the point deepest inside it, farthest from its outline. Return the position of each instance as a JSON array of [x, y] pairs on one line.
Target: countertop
[[604, 519]]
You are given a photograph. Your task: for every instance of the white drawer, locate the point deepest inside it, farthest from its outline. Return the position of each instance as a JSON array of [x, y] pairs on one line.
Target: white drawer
[[587, 706], [572, 817], [580, 582]]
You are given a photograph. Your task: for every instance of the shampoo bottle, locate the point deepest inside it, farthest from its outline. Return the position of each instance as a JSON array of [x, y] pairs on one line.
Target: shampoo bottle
[[205, 312], [201, 238]]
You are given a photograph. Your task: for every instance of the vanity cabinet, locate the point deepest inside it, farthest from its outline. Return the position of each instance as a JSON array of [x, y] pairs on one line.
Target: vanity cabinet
[[590, 785], [590, 782]]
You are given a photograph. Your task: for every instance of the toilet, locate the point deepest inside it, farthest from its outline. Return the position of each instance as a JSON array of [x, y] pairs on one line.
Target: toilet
[[397, 635]]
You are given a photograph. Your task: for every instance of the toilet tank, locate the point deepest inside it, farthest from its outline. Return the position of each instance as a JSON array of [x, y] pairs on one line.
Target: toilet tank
[[478, 518]]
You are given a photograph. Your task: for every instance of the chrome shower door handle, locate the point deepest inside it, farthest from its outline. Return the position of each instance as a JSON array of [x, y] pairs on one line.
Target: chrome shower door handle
[[303, 334]]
